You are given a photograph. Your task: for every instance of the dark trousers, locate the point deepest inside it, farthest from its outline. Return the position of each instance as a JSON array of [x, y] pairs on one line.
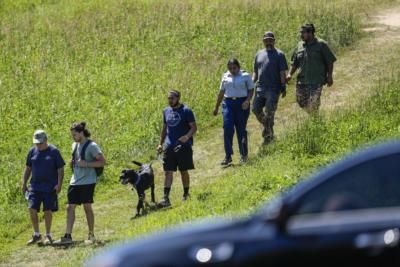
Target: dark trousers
[[235, 118]]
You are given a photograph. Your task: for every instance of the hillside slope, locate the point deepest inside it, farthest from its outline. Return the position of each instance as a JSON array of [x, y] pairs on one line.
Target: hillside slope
[[217, 191]]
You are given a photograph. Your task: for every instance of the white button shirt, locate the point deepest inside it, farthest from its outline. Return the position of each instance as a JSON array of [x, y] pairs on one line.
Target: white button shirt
[[236, 86]]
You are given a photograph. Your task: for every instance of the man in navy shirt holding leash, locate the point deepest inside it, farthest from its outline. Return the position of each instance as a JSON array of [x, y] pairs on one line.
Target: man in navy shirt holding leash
[[176, 142], [46, 166]]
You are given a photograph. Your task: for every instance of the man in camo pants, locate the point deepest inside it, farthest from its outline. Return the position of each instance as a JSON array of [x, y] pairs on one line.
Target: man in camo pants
[[314, 60], [269, 72]]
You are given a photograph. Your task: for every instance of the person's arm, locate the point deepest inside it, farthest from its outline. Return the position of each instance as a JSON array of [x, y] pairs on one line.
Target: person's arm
[[293, 66], [190, 133], [329, 58], [25, 178], [163, 135], [60, 174], [283, 83], [220, 97], [255, 72], [329, 77]]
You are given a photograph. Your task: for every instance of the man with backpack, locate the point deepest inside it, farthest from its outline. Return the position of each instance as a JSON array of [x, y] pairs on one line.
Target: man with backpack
[[87, 164]]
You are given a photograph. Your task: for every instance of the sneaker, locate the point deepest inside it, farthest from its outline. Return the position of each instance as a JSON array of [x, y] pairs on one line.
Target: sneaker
[[91, 239], [164, 203], [243, 159], [185, 197], [48, 240], [226, 161], [35, 239], [64, 241]]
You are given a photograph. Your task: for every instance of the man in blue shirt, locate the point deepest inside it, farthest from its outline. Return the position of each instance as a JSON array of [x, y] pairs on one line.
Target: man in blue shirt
[[46, 166], [270, 68], [176, 142]]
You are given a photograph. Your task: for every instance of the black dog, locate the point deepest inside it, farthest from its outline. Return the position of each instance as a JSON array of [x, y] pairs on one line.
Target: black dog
[[141, 180]]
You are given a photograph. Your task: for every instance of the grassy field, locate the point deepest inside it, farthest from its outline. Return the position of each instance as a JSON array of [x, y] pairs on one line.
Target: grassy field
[[111, 62]]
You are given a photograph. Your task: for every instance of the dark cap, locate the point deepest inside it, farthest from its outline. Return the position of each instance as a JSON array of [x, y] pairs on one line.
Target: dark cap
[[308, 27], [269, 35]]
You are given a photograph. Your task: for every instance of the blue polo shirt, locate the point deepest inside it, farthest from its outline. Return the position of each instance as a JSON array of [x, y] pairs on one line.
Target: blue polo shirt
[[44, 165], [177, 121]]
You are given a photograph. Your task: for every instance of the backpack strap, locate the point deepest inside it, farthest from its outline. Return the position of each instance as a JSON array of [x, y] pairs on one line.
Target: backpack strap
[[74, 151], [83, 151]]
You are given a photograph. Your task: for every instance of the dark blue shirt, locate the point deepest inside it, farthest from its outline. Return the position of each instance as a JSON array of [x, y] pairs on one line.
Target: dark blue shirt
[[268, 64], [44, 165], [177, 121]]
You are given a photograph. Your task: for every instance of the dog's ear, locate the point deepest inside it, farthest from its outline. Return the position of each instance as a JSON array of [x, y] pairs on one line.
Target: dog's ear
[[137, 163], [124, 171]]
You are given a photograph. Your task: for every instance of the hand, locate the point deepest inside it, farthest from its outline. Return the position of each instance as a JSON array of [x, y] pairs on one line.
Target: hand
[[215, 112], [83, 164], [329, 80], [245, 104], [183, 139], [288, 78], [159, 149], [283, 93], [57, 188]]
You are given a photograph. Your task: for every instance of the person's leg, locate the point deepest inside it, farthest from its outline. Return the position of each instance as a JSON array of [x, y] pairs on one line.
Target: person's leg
[[258, 107], [169, 177], [315, 99], [48, 216], [228, 118], [35, 220], [241, 117], [89, 216], [185, 163], [185, 182], [70, 218], [302, 96], [272, 98]]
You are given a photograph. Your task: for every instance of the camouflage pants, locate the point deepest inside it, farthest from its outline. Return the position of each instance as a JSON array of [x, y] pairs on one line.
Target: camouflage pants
[[309, 96], [264, 107]]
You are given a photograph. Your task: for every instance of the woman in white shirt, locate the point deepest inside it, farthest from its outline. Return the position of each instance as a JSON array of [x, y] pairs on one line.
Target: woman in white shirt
[[235, 93]]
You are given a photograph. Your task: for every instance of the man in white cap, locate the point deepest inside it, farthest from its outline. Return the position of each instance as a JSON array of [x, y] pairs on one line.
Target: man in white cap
[[45, 166]]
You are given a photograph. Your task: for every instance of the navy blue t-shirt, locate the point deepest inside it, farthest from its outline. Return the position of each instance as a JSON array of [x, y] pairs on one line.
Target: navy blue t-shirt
[[177, 121], [44, 165], [268, 64]]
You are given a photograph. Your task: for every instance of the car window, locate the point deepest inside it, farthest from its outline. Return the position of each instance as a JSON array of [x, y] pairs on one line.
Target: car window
[[372, 184]]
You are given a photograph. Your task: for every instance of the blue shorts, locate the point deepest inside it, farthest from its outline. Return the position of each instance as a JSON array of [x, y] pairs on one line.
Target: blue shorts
[[49, 200]]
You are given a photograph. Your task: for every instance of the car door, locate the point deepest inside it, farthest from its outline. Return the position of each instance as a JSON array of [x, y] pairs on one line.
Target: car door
[[351, 218]]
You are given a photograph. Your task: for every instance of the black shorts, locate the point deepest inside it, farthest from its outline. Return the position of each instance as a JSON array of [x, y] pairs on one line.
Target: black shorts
[[182, 159], [81, 194]]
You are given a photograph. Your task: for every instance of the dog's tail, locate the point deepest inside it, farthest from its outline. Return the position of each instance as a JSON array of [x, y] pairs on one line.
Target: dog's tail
[[137, 163]]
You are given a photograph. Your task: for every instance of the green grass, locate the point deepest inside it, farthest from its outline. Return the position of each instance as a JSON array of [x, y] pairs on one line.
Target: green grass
[[111, 63]]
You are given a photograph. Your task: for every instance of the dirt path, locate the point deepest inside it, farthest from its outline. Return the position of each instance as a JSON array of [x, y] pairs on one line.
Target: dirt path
[[355, 72]]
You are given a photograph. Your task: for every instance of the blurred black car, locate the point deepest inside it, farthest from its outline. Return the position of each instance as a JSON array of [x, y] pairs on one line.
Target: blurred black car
[[347, 214]]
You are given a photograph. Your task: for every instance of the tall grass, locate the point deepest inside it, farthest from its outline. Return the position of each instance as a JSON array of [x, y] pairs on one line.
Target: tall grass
[[111, 62]]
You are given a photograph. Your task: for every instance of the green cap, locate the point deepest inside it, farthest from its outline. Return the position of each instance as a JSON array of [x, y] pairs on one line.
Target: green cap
[[39, 137]]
